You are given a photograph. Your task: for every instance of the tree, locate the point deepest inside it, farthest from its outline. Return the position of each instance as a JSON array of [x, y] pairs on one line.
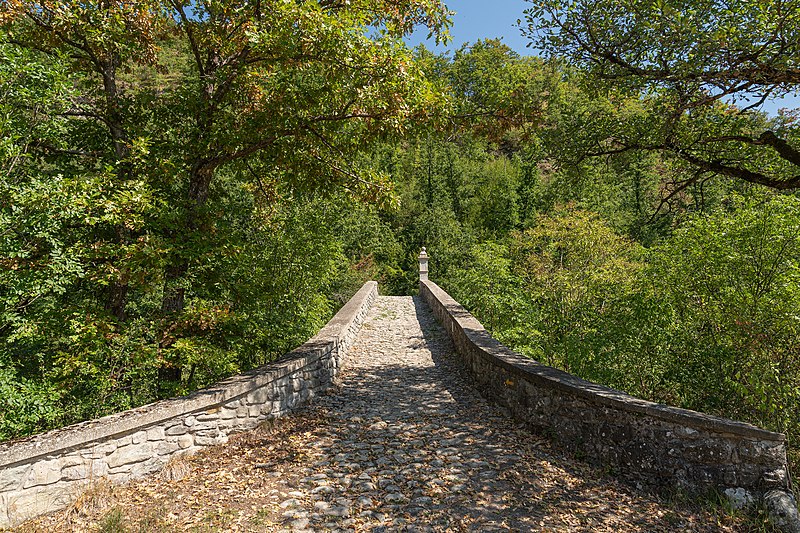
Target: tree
[[730, 283], [686, 60], [183, 131]]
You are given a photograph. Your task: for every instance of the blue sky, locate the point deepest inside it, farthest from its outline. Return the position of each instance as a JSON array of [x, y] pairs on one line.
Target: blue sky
[[481, 19]]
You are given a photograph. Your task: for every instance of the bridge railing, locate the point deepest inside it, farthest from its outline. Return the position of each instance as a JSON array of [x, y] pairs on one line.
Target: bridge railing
[[46, 472], [644, 442]]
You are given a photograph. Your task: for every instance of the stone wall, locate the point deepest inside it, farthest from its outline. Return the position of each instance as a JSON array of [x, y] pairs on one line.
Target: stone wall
[[646, 443], [47, 471]]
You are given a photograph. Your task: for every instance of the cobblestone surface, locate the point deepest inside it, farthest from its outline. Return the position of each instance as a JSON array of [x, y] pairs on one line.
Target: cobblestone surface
[[403, 444], [409, 441]]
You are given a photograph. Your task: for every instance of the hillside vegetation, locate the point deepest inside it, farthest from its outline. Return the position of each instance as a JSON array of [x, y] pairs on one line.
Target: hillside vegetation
[[190, 189]]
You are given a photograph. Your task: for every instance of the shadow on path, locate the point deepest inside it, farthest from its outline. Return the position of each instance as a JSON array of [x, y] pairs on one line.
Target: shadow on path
[[409, 444]]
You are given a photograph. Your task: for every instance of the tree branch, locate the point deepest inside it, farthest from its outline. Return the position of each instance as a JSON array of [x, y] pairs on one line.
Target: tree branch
[[738, 172]]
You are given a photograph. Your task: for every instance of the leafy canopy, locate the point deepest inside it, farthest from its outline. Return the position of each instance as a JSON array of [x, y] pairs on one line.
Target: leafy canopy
[[688, 61]]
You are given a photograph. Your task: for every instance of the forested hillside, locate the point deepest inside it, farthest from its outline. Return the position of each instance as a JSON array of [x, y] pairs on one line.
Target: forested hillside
[[188, 190]]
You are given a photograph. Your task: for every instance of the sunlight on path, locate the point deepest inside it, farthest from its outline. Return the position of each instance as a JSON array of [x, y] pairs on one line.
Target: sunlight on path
[[402, 444], [409, 443]]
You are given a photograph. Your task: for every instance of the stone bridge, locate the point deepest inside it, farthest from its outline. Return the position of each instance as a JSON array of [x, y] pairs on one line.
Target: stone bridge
[[415, 419]]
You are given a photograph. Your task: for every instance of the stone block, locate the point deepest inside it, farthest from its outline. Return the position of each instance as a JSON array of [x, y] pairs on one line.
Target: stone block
[[156, 433], [233, 404], [119, 477], [189, 421], [139, 437], [43, 473], [13, 478], [209, 424], [123, 441], [135, 470], [207, 433], [774, 478], [26, 504], [259, 396], [223, 426], [85, 471], [79, 470], [167, 447], [708, 451], [177, 429], [211, 441], [227, 413], [99, 451], [267, 407], [148, 467], [129, 455], [762, 452]]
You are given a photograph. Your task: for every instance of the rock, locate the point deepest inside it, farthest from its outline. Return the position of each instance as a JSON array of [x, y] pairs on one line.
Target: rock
[[322, 489], [293, 502], [337, 511], [365, 502], [186, 441], [300, 523], [739, 498], [11, 478], [43, 473], [366, 486], [130, 454], [322, 506], [782, 511], [155, 433]]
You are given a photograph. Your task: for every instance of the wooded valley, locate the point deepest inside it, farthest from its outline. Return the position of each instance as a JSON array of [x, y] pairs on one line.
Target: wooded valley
[[190, 189]]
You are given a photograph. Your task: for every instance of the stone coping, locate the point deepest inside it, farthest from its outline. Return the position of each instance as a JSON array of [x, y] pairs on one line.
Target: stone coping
[[495, 352], [76, 435]]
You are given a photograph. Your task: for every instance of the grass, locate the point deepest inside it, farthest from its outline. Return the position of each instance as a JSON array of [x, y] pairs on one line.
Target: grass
[[113, 522]]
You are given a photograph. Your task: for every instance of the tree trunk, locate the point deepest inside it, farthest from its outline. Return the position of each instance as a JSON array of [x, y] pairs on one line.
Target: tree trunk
[[173, 300], [117, 296]]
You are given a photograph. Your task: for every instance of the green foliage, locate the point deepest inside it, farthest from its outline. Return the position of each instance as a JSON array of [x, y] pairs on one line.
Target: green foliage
[[553, 290], [485, 281], [679, 62], [190, 190], [707, 320], [731, 282], [159, 164]]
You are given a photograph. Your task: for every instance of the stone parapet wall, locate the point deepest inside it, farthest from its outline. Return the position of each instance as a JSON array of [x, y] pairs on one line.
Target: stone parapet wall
[[46, 472], [646, 443]]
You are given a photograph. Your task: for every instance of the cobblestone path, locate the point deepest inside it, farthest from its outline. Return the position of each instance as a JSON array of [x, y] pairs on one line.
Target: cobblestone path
[[409, 445], [402, 444]]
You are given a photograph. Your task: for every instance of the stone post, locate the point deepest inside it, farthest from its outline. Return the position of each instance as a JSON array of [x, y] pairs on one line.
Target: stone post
[[423, 265]]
